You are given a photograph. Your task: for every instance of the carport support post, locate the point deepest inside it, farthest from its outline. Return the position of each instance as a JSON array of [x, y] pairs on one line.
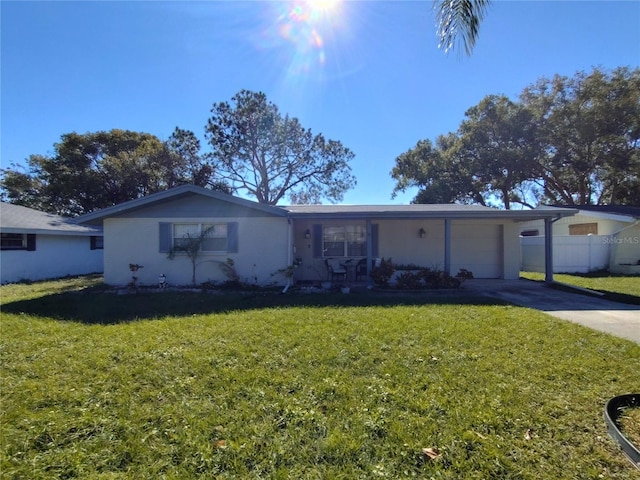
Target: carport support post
[[447, 246], [369, 252], [548, 251]]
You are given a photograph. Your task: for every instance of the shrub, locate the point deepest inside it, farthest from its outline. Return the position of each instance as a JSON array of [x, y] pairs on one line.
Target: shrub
[[408, 266], [410, 280], [436, 279], [464, 274], [382, 273]]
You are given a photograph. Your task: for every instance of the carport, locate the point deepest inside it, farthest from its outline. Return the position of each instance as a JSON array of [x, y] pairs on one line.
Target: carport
[[449, 236]]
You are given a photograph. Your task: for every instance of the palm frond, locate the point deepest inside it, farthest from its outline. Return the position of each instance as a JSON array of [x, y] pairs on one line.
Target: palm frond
[[458, 21]]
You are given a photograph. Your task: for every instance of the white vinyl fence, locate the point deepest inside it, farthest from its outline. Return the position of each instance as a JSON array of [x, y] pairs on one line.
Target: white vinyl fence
[[571, 253]]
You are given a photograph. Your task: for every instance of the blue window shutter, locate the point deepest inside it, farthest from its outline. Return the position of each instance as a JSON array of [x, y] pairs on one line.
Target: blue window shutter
[[232, 237], [165, 237], [31, 242], [317, 240], [374, 240], [92, 242]]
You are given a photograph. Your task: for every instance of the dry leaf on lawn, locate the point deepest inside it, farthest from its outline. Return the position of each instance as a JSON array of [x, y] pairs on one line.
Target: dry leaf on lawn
[[432, 453]]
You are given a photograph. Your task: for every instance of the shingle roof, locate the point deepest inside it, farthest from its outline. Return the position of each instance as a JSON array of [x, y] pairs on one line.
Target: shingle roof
[[438, 211], [167, 195], [422, 211], [444, 208], [19, 219], [632, 211]]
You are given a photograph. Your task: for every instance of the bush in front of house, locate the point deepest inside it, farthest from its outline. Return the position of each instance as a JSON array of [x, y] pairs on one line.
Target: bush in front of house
[[410, 280], [381, 274], [413, 277], [437, 279]]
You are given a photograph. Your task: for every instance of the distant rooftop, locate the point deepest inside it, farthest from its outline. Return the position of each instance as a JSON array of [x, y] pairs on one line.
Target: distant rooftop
[[632, 211], [19, 219]]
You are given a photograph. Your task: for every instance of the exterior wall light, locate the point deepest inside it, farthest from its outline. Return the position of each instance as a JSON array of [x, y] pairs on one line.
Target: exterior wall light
[[422, 233], [307, 234]]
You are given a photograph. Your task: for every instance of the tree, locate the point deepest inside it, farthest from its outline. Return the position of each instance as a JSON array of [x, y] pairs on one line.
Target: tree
[[589, 126], [487, 161], [437, 172], [190, 165], [459, 21], [570, 141], [96, 170], [271, 156], [497, 142]]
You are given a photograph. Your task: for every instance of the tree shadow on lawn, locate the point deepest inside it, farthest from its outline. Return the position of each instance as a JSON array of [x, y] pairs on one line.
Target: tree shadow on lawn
[[91, 307]]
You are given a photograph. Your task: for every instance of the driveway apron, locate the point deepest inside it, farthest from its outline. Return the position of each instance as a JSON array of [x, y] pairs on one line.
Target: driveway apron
[[615, 318]]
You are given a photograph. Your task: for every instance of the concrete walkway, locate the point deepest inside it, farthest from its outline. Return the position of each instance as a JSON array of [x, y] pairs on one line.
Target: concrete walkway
[[617, 319]]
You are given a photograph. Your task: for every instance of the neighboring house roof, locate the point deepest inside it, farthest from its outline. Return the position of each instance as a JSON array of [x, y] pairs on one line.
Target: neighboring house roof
[[623, 213], [173, 194], [630, 210], [333, 211], [19, 219]]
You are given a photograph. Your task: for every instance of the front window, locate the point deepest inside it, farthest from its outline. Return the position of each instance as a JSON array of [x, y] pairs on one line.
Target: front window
[[14, 241], [344, 241], [212, 237]]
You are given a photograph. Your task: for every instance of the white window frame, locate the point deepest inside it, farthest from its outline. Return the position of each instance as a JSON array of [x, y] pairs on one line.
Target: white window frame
[[219, 232], [348, 235], [23, 245]]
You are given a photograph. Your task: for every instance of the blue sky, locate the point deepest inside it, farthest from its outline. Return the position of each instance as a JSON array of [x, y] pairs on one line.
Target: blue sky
[[368, 73]]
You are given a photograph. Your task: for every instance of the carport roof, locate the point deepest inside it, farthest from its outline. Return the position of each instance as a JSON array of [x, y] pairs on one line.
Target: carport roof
[[436, 211]]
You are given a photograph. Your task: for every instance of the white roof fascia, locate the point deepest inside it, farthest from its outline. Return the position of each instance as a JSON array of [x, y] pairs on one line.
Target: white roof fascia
[[606, 215], [437, 213], [64, 233]]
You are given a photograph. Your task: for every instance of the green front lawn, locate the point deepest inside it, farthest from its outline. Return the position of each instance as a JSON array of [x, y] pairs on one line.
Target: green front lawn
[[610, 284], [177, 385]]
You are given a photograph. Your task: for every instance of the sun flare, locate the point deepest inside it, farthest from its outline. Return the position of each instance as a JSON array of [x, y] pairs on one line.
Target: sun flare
[[305, 34], [324, 6]]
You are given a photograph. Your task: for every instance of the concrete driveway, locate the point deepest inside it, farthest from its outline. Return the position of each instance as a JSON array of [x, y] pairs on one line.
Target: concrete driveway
[[617, 319]]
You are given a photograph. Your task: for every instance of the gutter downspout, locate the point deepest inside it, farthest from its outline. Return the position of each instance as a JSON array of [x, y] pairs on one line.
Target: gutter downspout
[[369, 252], [447, 245], [289, 252]]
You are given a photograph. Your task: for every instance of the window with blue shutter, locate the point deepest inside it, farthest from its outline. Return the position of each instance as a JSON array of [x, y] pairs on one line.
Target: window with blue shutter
[[374, 240], [166, 237], [14, 241], [232, 237], [343, 240], [213, 237], [31, 242]]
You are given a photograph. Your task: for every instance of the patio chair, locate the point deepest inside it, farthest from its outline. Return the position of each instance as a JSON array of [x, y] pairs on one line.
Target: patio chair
[[361, 269], [335, 270]]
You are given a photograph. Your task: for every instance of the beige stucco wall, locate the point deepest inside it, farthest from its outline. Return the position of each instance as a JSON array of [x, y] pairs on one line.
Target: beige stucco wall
[[399, 240], [262, 250], [511, 245], [490, 249]]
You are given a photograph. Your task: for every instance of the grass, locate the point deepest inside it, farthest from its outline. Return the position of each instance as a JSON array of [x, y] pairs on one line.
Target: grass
[[172, 385], [615, 287], [630, 423]]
